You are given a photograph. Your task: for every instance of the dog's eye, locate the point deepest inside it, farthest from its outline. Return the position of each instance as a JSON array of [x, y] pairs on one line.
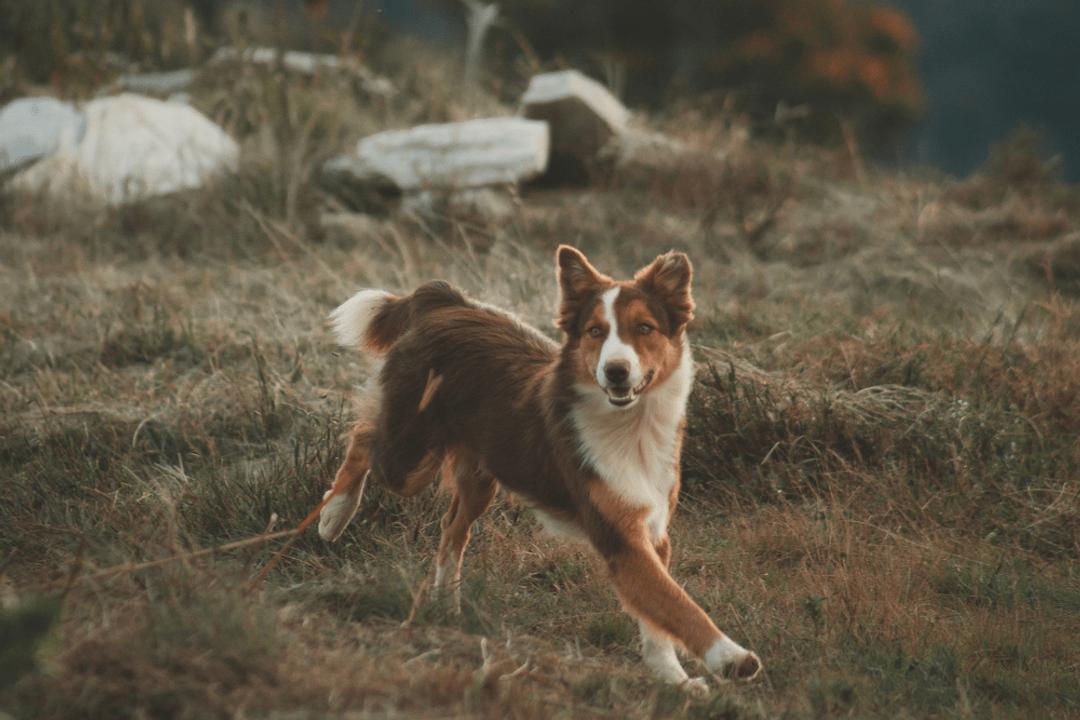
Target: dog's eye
[[595, 331], [644, 329]]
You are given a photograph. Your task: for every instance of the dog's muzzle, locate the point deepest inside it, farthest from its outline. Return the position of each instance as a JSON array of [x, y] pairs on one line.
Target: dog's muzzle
[[625, 396]]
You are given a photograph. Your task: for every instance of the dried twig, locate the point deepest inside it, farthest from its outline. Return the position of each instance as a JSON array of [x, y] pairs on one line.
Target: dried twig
[[128, 568]]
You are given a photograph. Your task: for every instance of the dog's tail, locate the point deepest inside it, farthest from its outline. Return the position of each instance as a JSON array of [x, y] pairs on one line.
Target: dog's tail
[[373, 320]]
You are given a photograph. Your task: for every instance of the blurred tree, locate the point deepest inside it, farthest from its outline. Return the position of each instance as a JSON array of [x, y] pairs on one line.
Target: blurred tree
[[61, 41], [846, 63], [79, 44]]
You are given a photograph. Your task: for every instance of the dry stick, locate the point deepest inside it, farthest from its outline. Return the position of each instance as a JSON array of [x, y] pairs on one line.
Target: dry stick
[[418, 600], [294, 534], [128, 568], [250, 559]]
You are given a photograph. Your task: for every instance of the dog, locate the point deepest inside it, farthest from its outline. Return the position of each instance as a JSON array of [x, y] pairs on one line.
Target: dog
[[587, 433]]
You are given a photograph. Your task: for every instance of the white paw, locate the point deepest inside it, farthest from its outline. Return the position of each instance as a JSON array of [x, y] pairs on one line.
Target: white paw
[[335, 517], [695, 687], [732, 661]]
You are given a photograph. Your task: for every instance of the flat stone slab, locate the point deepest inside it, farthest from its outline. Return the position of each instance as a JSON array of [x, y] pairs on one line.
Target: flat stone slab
[[133, 147], [583, 115], [32, 128], [474, 153]]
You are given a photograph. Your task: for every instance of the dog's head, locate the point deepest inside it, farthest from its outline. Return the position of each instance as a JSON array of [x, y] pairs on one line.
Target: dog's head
[[625, 337]]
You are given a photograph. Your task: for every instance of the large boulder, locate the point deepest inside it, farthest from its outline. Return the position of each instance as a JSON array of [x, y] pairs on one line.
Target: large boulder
[[583, 115], [31, 128], [133, 147], [450, 156]]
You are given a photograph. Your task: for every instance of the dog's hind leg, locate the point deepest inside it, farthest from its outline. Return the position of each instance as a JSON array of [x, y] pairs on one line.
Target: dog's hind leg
[[473, 490], [348, 485], [406, 444]]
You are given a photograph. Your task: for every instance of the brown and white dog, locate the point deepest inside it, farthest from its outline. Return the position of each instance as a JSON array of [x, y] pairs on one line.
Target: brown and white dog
[[587, 433]]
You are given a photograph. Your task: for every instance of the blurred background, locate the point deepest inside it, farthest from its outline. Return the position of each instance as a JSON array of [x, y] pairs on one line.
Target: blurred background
[[913, 81]]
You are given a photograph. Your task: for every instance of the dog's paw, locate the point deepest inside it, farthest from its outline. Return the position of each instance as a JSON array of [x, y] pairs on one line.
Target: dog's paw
[[742, 669], [695, 687], [731, 661], [335, 517]]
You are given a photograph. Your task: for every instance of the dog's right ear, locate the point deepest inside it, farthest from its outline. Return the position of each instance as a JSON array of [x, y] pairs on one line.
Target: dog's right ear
[[578, 281]]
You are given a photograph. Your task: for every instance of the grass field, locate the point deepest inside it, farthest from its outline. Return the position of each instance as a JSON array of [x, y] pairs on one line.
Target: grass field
[[882, 469]]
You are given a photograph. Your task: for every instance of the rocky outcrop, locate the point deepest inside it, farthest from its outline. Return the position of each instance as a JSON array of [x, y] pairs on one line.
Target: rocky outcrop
[[583, 116]]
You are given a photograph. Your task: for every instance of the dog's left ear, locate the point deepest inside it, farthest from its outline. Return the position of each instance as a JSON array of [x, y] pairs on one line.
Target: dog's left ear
[[668, 278]]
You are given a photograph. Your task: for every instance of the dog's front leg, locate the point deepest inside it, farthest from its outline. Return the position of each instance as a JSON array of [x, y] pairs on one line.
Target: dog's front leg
[[649, 593], [658, 648]]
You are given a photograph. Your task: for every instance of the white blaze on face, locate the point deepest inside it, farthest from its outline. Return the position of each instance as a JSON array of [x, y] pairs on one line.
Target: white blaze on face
[[614, 348]]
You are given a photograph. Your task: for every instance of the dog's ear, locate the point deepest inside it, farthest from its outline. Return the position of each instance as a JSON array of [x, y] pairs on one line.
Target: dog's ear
[[578, 280], [667, 278]]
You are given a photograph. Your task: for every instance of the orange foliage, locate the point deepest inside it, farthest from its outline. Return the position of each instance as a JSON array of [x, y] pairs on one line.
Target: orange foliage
[[894, 25], [758, 45], [836, 55], [876, 75], [848, 63]]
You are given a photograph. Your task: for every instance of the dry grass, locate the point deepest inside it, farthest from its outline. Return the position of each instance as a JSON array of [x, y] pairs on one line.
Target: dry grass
[[882, 475]]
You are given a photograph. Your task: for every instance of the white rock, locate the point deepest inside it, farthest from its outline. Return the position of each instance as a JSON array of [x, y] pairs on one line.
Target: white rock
[[582, 113], [31, 128], [474, 153], [134, 147]]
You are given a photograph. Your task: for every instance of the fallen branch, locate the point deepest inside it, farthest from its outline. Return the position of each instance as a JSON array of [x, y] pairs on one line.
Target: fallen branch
[[295, 533], [128, 568]]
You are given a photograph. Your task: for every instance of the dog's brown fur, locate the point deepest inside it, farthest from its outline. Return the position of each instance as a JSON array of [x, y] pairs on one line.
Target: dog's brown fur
[[491, 401]]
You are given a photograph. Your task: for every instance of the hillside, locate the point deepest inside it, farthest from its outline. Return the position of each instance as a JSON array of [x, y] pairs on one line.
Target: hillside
[[882, 474]]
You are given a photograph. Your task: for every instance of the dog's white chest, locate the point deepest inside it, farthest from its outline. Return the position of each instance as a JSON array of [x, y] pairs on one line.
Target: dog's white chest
[[634, 450], [643, 481]]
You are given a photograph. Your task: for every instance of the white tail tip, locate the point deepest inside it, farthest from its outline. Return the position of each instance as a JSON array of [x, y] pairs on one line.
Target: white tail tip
[[351, 319]]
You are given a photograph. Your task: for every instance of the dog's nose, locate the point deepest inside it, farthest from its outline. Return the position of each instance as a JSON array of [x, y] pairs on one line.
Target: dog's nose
[[617, 372]]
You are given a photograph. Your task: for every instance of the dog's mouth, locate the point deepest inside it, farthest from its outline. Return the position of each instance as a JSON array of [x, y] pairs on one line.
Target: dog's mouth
[[625, 396]]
